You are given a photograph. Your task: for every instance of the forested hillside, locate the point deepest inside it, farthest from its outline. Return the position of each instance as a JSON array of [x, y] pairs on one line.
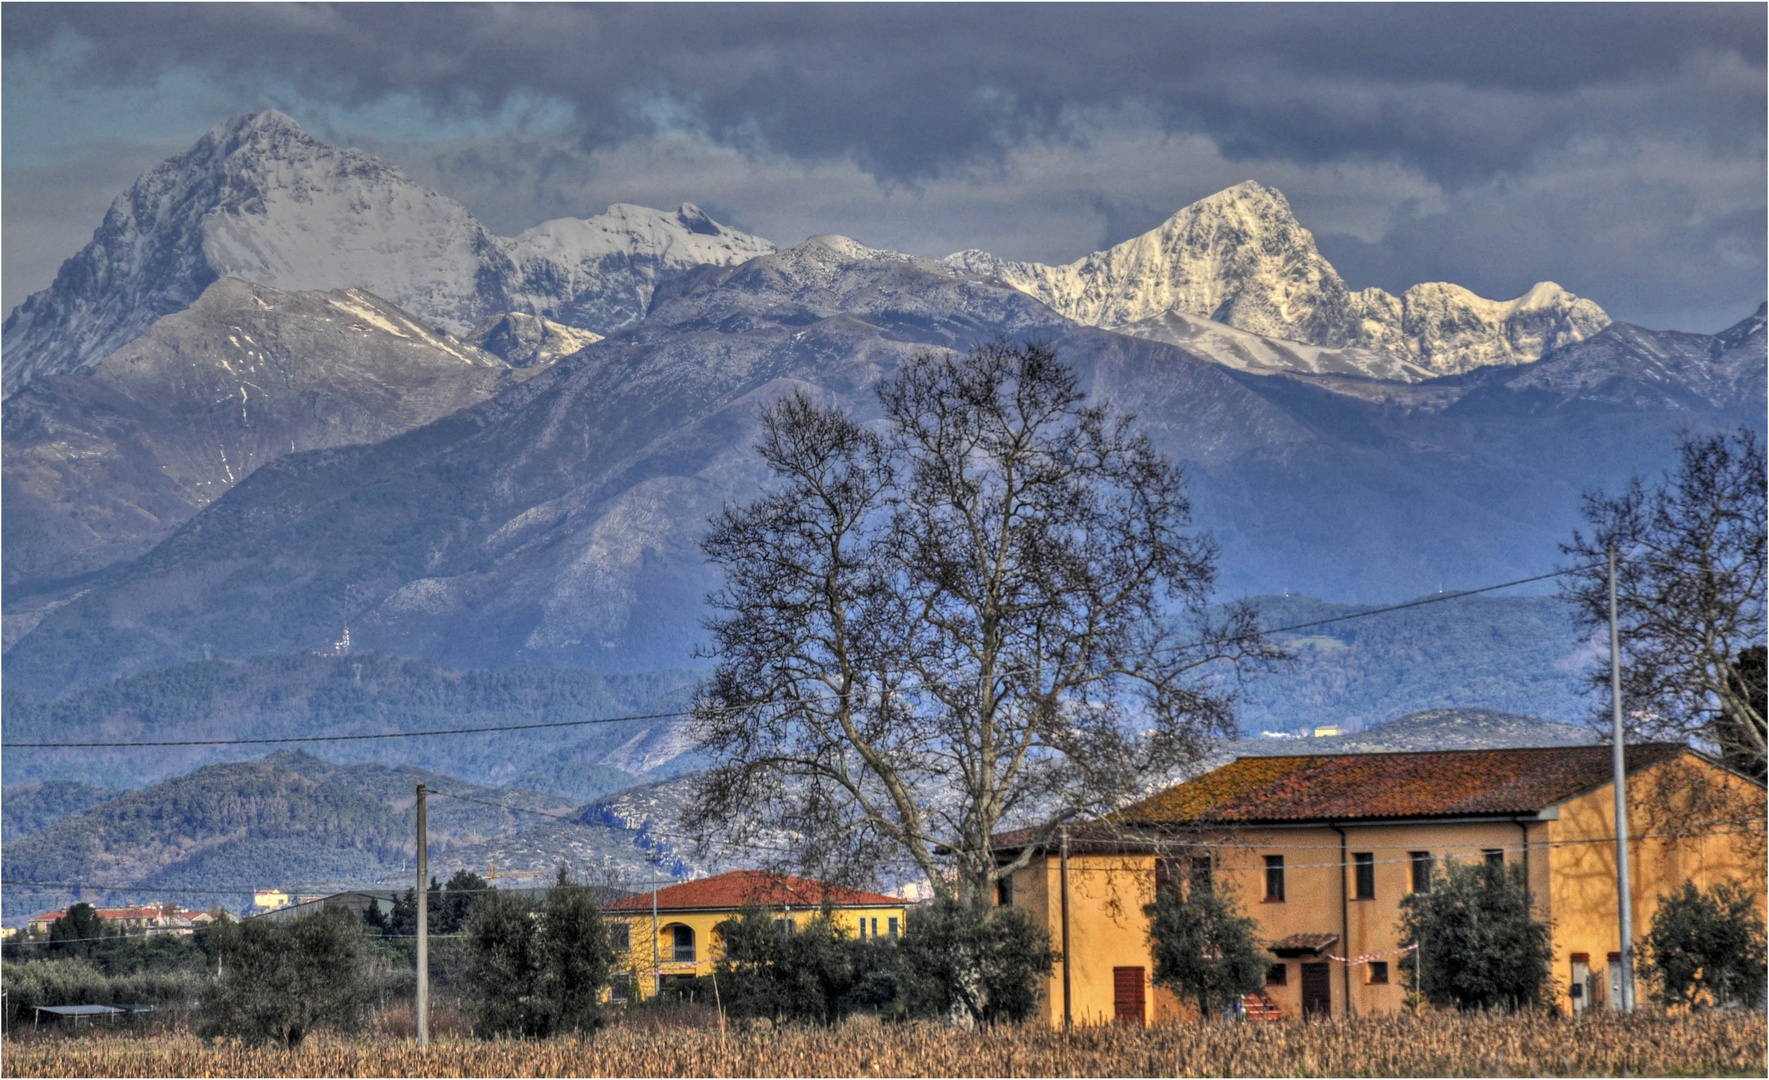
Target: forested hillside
[[30, 808], [1510, 654], [291, 821], [364, 693]]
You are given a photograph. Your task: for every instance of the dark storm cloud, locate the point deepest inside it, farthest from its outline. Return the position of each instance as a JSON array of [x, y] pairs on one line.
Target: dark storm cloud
[[1461, 92]]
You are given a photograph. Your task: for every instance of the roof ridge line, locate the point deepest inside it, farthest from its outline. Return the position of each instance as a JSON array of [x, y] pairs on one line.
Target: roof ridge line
[[1458, 750]]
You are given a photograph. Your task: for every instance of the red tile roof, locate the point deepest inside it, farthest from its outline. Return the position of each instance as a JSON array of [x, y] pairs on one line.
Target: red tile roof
[[733, 890], [1352, 787], [1347, 787], [121, 913]]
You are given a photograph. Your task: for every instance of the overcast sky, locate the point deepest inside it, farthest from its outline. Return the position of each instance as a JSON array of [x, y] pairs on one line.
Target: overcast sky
[[1618, 150]]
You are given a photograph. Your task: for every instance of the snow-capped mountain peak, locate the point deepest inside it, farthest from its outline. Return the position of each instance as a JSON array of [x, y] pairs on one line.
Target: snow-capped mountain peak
[[259, 199], [687, 237], [1240, 257]]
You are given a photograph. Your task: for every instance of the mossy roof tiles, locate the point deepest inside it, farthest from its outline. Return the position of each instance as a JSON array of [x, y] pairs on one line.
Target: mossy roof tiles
[[1348, 787]]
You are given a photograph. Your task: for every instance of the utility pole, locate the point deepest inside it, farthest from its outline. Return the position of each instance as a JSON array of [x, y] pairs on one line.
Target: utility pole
[[1624, 885], [1063, 884], [423, 923], [656, 967]]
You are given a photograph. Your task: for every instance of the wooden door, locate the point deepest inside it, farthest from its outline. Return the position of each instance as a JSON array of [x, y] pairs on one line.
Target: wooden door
[[1317, 990], [1127, 1001]]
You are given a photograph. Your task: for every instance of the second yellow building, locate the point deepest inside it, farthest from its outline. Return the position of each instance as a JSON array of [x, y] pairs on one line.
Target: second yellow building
[[668, 936]]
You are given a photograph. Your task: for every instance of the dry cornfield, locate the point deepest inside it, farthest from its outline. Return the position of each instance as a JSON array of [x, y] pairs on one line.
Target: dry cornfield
[[1710, 1044]]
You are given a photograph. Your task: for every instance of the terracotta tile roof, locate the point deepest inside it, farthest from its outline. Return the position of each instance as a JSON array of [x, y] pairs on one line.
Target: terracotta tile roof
[[733, 890], [1346, 787]]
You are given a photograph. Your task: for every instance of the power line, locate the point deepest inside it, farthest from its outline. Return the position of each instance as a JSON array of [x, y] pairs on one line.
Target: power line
[[1438, 599], [677, 713], [1740, 827], [349, 738], [571, 819]]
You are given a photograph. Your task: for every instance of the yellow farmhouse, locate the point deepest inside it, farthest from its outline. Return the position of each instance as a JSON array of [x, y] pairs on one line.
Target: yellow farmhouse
[[668, 935], [1321, 849]]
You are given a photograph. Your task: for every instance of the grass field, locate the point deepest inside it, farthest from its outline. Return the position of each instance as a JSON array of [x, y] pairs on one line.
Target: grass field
[[1713, 1044]]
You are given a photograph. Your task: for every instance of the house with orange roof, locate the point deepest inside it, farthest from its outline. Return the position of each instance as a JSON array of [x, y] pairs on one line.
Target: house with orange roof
[[1322, 848], [668, 935], [163, 918]]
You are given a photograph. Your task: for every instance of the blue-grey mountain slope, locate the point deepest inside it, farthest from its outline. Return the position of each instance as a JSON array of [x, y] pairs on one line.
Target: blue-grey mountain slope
[[103, 463], [556, 522]]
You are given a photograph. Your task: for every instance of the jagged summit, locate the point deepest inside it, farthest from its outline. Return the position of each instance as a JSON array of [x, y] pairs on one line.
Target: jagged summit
[[259, 199], [1240, 257]]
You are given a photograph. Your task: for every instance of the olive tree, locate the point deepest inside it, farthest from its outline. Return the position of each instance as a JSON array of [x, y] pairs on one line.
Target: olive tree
[[970, 964], [1483, 946], [983, 610], [278, 981], [538, 968], [1707, 947], [1205, 946]]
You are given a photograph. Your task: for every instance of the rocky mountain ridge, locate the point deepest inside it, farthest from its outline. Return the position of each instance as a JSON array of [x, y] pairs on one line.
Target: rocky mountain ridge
[[557, 522], [102, 464], [1241, 258], [259, 199]]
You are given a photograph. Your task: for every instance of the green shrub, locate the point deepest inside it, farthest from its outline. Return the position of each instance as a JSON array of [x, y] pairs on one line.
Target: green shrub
[[1204, 946], [805, 973], [278, 981], [1706, 947], [1483, 946], [537, 969], [969, 964], [80, 982]]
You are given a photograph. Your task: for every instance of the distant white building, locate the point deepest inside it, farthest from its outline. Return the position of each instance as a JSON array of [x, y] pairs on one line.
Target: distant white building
[[270, 900]]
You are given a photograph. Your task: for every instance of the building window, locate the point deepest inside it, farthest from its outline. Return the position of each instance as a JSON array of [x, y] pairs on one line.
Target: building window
[[785, 925], [1194, 870], [1004, 892], [620, 937], [1378, 971], [1165, 877], [862, 929], [1421, 870], [620, 986], [1277, 975], [1274, 879], [893, 928], [1365, 863], [875, 928], [1493, 856], [684, 944]]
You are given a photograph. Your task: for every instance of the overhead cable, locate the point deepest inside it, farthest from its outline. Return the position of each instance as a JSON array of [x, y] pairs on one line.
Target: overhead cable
[[678, 713]]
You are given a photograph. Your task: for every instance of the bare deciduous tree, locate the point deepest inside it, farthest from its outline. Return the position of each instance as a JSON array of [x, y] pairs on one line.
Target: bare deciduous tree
[[965, 618], [1690, 596]]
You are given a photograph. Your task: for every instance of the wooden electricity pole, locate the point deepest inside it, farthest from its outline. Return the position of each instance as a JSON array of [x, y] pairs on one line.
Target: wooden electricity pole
[[423, 923]]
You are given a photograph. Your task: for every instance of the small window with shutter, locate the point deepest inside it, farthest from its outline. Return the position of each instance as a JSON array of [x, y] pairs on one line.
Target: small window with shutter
[[1364, 862], [1198, 874], [1274, 879], [1421, 865]]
